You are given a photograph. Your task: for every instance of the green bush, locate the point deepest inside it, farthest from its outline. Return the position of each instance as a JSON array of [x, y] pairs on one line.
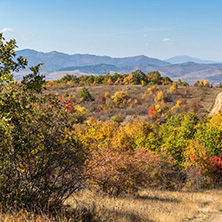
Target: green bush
[[84, 94], [209, 135], [176, 133]]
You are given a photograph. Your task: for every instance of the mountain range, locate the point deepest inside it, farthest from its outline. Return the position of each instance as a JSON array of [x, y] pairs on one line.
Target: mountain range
[[184, 59], [57, 64]]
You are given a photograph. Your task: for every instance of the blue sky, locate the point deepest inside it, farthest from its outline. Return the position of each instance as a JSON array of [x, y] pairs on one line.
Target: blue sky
[[118, 28]]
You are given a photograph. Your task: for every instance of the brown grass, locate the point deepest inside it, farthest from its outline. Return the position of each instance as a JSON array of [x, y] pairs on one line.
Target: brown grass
[[151, 205], [204, 95], [148, 205]]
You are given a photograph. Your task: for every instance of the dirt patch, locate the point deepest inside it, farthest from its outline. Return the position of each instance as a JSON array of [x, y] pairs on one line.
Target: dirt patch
[[217, 105]]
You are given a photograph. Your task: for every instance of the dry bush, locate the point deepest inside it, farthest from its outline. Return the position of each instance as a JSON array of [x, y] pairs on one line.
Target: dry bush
[[119, 172]]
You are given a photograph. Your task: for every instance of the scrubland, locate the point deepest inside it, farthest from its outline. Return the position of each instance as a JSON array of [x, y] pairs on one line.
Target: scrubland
[[132, 147], [116, 120]]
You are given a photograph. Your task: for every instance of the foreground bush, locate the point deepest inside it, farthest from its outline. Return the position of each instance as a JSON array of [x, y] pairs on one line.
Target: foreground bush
[[40, 162]]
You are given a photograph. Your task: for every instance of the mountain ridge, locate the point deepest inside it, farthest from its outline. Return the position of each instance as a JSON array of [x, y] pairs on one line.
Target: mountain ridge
[[185, 58], [57, 64], [57, 60]]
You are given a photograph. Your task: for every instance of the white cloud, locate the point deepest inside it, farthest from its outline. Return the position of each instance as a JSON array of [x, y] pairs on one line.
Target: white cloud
[[147, 44], [5, 30], [145, 35], [168, 41]]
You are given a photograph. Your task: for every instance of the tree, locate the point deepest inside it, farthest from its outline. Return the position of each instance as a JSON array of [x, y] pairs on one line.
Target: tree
[[40, 159], [69, 78], [7, 62]]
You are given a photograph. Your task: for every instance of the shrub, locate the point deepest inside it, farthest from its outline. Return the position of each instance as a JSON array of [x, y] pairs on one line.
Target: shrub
[[202, 83], [173, 89], [142, 134], [205, 172], [68, 78], [126, 171], [206, 83], [117, 118], [176, 133], [195, 106], [153, 90], [193, 148], [41, 160], [102, 99], [216, 161], [84, 94], [186, 92], [50, 83], [160, 96], [120, 98], [79, 114], [209, 135]]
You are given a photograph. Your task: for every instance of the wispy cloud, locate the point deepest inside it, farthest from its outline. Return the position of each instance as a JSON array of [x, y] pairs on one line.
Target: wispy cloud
[[168, 41], [5, 30]]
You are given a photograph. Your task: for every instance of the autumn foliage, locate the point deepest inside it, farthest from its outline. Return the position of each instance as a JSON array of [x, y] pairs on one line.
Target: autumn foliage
[[50, 147]]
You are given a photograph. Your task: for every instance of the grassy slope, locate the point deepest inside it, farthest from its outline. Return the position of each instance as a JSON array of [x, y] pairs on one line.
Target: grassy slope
[[205, 97]]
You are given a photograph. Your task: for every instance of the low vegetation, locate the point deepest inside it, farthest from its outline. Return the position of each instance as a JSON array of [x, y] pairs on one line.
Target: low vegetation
[[114, 134]]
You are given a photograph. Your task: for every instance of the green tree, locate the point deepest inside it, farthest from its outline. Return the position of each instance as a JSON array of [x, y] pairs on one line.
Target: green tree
[[69, 78]]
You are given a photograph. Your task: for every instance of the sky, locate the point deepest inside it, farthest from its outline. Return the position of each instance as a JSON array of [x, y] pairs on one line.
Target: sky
[[117, 28]]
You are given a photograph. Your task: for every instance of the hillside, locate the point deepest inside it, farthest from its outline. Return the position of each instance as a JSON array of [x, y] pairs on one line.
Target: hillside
[[204, 96]]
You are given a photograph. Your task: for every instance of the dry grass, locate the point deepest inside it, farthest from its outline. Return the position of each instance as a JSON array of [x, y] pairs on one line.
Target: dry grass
[[148, 205], [151, 205], [205, 96], [23, 216]]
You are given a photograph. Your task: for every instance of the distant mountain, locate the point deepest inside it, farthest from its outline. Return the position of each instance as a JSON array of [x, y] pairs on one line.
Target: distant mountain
[[189, 72], [57, 64], [56, 60], [100, 68], [184, 59]]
